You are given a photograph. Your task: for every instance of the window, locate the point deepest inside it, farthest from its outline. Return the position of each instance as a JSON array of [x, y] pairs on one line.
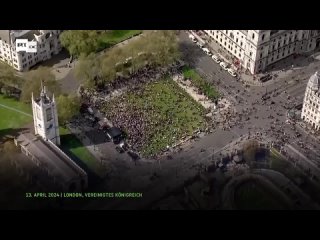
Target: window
[[241, 44], [250, 54], [15, 65], [49, 114], [38, 113], [252, 36], [262, 38], [260, 55], [282, 54], [236, 40]]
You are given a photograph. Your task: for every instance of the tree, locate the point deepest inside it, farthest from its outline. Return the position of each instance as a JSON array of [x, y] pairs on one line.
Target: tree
[[8, 76], [153, 48], [79, 42], [89, 68], [250, 150], [68, 107], [32, 83]]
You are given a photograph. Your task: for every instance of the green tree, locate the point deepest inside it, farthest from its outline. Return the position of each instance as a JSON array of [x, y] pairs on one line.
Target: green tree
[[9, 77], [79, 42], [32, 83], [88, 68], [68, 107], [250, 151]]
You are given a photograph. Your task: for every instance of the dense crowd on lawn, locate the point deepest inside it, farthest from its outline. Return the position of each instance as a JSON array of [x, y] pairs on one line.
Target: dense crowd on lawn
[[153, 111], [154, 116]]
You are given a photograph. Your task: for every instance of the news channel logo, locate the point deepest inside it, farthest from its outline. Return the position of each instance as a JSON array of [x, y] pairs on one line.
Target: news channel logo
[[23, 45]]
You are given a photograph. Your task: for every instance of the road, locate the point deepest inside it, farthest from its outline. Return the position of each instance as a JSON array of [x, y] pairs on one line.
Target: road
[[156, 178]]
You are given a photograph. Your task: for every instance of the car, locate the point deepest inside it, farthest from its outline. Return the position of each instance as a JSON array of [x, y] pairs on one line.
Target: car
[[124, 145], [207, 51], [192, 37], [200, 44], [224, 66], [232, 72], [216, 59], [119, 149], [133, 155], [265, 78]]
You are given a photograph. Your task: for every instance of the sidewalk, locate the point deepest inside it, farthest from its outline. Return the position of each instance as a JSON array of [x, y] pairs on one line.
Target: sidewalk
[[216, 50]]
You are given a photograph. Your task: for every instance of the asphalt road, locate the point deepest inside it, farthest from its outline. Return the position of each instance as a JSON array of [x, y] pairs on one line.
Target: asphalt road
[[172, 173]]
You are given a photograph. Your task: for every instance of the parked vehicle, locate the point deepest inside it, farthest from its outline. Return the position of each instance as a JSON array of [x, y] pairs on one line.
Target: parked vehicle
[[200, 44], [224, 66], [216, 59], [124, 145], [232, 72], [207, 51], [120, 149], [265, 78], [133, 155]]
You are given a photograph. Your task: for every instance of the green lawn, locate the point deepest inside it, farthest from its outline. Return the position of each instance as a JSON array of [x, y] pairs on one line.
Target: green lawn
[[71, 143], [113, 37], [200, 83], [166, 112], [10, 118], [252, 196]]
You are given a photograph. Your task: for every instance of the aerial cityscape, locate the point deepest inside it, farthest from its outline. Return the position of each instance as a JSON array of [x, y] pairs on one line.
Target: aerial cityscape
[[160, 119]]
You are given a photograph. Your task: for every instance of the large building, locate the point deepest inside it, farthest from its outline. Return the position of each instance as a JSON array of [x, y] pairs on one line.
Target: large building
[[256, 49], [311, 103], [48, 44], [42, 147]]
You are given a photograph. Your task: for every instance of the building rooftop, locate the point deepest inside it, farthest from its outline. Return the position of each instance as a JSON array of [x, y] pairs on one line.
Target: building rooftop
[[26, 34], [314, 81], [5, 35], [57, 163]]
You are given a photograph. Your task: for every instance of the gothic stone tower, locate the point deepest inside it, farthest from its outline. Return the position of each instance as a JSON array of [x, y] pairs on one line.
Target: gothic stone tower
[[45, 117]]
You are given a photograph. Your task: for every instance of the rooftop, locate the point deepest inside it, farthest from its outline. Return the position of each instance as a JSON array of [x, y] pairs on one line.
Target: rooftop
[[51, 156]]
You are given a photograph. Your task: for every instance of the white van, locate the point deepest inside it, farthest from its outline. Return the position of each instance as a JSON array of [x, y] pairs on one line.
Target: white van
[[193, 39], [207, 51], [200, 44], [224, 65], [216, 59]]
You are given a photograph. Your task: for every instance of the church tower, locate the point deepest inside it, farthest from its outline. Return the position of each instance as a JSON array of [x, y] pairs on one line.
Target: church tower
[[45, 117]]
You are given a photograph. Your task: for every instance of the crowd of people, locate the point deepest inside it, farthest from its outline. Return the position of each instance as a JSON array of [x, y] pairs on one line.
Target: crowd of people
[[140, 119]]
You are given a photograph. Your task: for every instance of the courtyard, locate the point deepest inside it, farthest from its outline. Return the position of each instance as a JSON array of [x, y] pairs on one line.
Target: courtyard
[[156, 115]]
